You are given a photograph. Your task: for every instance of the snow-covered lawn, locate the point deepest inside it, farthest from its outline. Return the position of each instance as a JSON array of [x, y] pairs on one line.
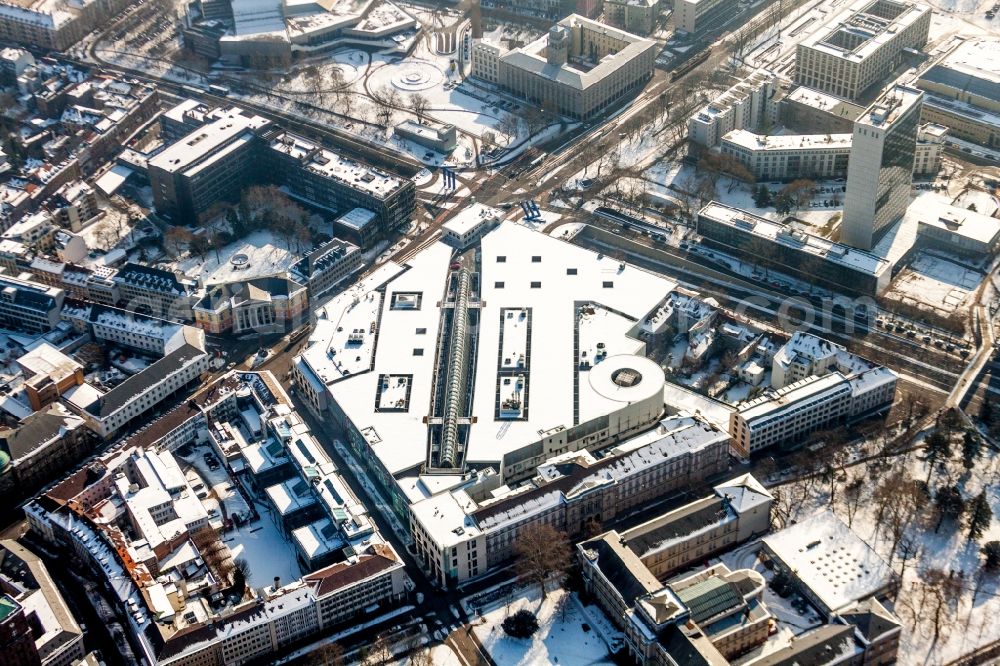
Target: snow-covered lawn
[[561, 637], [942, 576], [268, 551], [267, 254], [441, 655]]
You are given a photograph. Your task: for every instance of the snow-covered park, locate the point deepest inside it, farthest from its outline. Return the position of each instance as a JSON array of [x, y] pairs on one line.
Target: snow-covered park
[[569, 633]]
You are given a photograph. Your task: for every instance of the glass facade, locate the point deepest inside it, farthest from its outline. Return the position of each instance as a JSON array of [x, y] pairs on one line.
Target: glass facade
[[895, 171]]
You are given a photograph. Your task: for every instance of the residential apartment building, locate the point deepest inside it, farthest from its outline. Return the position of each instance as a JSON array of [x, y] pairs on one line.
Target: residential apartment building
[[39, 449], [790, 248], [29, 306], [49, 635], [863, 45], [788, 157], [747, 105], [883, 152], [963, 92], [154, 291], [577, 69], [696, 15], [247, 421], [636, 16], [465, 532], [326, 266]]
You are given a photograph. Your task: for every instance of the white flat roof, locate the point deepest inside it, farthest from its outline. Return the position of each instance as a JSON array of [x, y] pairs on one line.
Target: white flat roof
[[859, 260], [207, 139], [625, 289], [890, 106], [876, 31], [471, 217], [829, 558], [933, 210], [976, 57], [563, 277], [752, 141]]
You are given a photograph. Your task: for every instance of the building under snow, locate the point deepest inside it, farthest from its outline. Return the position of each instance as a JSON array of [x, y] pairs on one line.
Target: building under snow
[[147, 520], [544, 343]]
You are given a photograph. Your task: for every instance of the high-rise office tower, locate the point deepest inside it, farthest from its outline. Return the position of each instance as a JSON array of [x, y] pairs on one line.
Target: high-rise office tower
[[881, 166]]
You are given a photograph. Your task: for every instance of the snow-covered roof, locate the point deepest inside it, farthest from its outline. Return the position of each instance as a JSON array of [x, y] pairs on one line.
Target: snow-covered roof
[[933, 210], [523, 272], [787, 142], [831, 560], [531, 58], [797, 239]]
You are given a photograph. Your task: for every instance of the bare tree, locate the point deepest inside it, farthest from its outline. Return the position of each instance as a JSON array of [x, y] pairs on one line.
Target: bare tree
[[419, 105], [542, 551], [331, 654], [379, 653], [508, 126], [177, 237]]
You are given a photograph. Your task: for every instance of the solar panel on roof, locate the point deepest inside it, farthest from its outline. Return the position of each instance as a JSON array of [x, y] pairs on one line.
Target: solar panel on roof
[[306, 453], [328, 531], [333, 491]]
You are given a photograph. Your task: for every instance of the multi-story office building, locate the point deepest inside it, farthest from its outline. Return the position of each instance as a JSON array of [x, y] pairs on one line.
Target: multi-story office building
[[222, 151], [963, 91], [810, 111], [132, 400], [465, 532], [814, 384], [864, 44], [129, 329], [818, 385], [326, 266], [716, 615], [697, 15], [787, 157], [883, 151], [211, 164], [29, 306], [790, 248], [326, 179], [636, 16], [577, 69], [737, 511], [747, 105]]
